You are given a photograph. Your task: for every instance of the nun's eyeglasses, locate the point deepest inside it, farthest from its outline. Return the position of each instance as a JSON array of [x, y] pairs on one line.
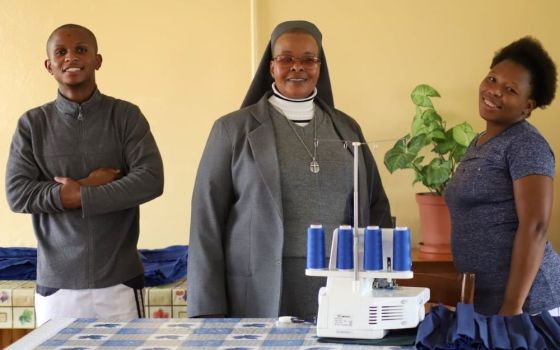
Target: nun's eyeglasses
[[288, 61]]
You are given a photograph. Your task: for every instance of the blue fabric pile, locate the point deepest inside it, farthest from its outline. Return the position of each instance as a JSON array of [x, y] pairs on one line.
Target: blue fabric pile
[[161, 266], [465, 329], [18, 263]]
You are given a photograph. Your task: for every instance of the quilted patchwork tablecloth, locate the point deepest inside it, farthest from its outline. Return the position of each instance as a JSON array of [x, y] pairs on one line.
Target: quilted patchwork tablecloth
[[17, 306], [177, 334]]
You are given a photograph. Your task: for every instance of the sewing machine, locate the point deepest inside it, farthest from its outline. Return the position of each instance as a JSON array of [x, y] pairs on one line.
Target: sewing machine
[[366, 304]]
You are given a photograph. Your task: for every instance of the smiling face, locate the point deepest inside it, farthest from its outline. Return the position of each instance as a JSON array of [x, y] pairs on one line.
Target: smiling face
[[295, 81], [73, 59], [505, 94]]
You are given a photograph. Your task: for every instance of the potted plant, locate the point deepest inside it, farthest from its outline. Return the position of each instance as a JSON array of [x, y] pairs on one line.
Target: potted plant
[[433, 152]]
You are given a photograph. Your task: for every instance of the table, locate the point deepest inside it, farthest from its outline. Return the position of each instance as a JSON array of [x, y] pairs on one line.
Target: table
[[438, 264], [437, 272], [176, 334]]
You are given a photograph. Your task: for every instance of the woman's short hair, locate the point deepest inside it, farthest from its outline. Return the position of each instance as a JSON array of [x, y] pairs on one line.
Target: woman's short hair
[[529, 53]]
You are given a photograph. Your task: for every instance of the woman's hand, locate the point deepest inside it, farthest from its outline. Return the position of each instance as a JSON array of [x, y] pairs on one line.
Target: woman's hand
[[507, 310]]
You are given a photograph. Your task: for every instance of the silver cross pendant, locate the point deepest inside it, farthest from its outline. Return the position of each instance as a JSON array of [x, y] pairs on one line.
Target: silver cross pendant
[[314, 166]]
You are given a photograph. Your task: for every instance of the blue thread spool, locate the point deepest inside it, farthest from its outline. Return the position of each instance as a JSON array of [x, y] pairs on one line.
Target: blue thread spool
[[401, 249], [373, 249], [345, 248], [316, 247]]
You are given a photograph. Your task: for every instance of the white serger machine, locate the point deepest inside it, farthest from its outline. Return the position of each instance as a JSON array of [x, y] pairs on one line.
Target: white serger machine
[[366, 304]]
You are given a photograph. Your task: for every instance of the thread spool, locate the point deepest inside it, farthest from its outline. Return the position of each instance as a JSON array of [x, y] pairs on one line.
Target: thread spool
[[316, 247], [345, 248], [373, 249], [401, 249]]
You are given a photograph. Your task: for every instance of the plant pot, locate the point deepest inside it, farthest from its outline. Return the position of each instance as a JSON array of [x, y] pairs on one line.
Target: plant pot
[[435, 224]]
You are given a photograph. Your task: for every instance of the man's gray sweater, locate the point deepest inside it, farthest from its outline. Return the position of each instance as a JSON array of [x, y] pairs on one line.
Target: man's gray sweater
[[95, 246]]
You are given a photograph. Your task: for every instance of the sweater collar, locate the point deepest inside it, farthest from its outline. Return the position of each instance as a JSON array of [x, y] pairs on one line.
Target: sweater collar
[[71, 108], [279, 95], [300, 110]]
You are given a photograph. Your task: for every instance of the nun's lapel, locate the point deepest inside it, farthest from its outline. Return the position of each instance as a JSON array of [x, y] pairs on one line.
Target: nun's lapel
[[263, 146], [342, 127]]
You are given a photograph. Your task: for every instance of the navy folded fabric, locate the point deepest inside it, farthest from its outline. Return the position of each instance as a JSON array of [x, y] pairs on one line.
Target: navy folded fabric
[[18, 263], [161, 266], [465, 329]]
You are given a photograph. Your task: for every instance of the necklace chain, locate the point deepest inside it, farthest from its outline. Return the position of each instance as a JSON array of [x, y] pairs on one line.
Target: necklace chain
[[314, 165]]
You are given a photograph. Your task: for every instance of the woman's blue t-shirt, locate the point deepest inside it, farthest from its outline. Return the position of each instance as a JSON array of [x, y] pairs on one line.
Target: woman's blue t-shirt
[[484, 220]]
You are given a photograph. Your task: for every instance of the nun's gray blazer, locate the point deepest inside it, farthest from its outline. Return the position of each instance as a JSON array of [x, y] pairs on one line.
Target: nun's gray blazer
[[236, 236]]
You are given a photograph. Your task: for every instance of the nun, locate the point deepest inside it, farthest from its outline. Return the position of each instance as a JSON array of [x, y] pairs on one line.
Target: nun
[[268, 171]]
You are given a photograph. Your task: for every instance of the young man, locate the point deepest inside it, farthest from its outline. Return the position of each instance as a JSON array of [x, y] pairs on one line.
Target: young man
[[81, 166]]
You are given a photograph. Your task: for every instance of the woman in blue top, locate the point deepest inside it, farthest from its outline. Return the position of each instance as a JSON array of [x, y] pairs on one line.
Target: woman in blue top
[[500, 198]]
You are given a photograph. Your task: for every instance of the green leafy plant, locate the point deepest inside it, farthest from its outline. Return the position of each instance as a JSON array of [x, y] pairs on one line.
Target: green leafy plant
[[429, 131]]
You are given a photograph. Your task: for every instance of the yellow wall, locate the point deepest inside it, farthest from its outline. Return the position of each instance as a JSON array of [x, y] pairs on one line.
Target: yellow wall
[[187, 62]]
